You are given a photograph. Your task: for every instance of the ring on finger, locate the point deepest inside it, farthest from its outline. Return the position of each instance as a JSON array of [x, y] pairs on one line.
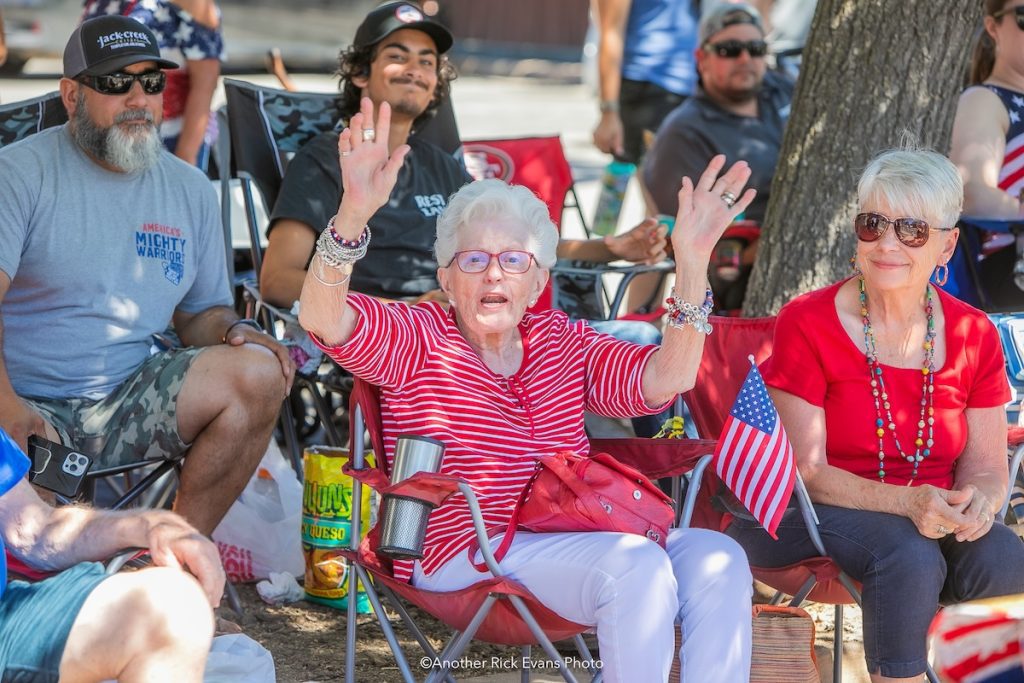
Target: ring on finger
[[943, 530], [729, 198], [369, 135], [345, 154]]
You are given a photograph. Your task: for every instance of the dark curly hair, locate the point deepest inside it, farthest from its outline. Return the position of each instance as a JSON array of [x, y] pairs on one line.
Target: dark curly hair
[[355, 61]]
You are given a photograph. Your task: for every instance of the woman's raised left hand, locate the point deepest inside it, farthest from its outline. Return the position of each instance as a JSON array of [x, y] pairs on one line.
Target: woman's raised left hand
[[707, 208]]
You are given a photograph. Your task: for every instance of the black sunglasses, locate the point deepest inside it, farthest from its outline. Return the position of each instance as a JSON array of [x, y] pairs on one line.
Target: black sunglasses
[[731, 49], [1018, 14], [912, 232], [152, 82]]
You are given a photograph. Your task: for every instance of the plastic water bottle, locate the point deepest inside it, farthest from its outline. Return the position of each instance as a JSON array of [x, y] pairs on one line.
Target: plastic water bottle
[[613, 191]]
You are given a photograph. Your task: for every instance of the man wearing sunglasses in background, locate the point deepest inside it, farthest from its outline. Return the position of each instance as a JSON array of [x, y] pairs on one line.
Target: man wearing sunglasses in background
[[105, 239], [740, 110]]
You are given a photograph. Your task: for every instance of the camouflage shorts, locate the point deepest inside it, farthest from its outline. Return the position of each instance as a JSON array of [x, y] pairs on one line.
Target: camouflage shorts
[[137, 421]]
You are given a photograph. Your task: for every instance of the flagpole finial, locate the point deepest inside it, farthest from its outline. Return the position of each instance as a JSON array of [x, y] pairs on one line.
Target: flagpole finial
[[751, 359]]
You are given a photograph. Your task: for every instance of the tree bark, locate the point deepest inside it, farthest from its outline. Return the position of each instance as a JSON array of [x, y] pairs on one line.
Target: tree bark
[[873, 71]]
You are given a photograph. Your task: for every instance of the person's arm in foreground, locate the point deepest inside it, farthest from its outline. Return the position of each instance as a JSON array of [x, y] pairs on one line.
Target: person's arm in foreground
[[702, 218], [56, 538]]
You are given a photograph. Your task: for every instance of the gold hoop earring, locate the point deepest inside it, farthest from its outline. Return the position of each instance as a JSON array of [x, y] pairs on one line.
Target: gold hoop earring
[[941, 275]]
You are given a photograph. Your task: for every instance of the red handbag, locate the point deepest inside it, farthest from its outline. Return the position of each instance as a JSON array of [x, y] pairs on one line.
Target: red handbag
[[596, 492]]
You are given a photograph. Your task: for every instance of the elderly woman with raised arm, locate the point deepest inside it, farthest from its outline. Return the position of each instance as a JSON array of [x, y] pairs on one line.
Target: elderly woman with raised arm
[[501, 387], [892, 393]]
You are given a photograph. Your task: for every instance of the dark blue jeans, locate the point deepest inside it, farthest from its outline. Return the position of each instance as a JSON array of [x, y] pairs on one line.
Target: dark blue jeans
[[905, 576]]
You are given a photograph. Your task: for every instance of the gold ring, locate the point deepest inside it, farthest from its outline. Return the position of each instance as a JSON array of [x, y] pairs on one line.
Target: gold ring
[[369, 135]]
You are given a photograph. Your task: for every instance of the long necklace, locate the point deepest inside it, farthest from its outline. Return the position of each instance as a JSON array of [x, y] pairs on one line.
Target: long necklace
[[881, 395]]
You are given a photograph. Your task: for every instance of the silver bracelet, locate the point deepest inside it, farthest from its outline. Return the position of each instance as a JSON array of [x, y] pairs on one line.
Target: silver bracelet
[[313, 267], [334, 253]]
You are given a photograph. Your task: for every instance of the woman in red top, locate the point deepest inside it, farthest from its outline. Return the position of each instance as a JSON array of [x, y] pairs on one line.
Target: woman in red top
[[892, 393], [501, 387]]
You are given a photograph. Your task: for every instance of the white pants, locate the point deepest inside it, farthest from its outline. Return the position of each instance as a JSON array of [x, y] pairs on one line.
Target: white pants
[[633, 592]]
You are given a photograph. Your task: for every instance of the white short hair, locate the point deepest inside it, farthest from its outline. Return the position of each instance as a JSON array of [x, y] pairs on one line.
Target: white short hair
[[919, 181], [491, 198]]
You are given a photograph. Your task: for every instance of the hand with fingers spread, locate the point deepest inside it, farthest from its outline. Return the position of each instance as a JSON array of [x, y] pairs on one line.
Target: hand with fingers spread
[[369, 168], [707, 208]]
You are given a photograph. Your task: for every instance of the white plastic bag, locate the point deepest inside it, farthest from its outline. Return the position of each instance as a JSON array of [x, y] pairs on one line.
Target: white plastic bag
[[260, 533], [237, 658]]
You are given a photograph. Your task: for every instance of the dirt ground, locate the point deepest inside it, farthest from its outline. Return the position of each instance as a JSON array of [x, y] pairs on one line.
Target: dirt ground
[[308, 642]]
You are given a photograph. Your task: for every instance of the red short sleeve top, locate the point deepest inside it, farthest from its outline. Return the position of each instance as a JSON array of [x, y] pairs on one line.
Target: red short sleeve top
[[814, 358]]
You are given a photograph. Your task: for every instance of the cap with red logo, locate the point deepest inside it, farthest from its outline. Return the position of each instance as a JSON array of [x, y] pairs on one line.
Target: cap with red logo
[[392, 16]]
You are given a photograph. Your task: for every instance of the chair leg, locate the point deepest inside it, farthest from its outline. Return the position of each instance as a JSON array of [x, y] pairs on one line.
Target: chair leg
[[291, 437], [410, 624], [458, 646], [385, 626], [233, 600], [538, 633], [837, 647]]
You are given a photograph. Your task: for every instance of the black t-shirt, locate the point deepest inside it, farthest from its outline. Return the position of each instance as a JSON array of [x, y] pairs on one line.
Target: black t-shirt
[[400, 260]]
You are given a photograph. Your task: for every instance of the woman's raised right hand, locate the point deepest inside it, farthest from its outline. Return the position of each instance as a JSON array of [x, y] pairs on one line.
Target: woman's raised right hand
[[368, 171]]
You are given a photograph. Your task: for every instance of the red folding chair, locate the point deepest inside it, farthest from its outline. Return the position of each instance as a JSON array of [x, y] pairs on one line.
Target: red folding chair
[[495, 609], [723, 368]]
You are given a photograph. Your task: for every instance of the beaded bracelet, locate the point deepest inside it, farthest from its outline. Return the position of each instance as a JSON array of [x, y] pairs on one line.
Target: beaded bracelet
[[337, 252], [683, 313], [364, 237]]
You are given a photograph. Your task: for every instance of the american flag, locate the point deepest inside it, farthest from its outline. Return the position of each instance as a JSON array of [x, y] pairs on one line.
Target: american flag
[[754, 457]]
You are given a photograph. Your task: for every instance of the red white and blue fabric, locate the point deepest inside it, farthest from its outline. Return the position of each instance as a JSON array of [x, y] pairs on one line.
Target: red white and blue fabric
[[1011, 174], [979, 642], [754, 457]]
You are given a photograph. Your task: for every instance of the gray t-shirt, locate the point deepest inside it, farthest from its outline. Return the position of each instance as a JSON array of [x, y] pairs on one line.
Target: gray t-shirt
[[98, 261]]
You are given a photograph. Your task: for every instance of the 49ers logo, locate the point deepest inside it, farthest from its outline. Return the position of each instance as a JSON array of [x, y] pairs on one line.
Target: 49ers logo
[[484, 162]]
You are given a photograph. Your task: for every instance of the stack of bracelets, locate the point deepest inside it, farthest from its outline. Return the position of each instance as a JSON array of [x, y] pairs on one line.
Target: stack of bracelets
[[682, 313], [340, 253]]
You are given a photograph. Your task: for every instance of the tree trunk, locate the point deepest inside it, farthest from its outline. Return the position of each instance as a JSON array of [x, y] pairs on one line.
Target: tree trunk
[[872, 71]]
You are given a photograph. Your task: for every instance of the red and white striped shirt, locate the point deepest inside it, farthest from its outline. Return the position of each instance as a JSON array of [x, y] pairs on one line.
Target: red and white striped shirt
[[434, 384]]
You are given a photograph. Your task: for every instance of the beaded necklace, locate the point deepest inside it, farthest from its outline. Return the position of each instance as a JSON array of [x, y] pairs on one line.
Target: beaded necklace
[[881, 396]]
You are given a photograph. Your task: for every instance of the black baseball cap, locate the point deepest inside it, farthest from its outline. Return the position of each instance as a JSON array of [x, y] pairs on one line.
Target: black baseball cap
[[104, 45], [392, 16]]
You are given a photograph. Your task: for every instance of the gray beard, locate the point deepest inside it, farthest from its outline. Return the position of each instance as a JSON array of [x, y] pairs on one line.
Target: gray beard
[[127, 152]]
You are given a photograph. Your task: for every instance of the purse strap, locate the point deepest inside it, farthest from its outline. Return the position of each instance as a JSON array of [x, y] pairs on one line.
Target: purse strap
[[556, 464], [510, 530]]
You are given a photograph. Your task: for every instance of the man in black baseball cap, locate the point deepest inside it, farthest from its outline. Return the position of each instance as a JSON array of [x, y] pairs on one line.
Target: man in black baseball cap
[[397, 57], [112, 120], [105, 45]]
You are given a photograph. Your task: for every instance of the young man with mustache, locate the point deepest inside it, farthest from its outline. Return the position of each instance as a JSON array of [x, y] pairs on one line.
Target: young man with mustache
[[105, 239], [397, 57]]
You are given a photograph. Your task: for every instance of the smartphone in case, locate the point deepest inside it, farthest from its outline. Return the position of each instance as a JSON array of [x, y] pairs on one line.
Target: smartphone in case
[[56, 467]]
